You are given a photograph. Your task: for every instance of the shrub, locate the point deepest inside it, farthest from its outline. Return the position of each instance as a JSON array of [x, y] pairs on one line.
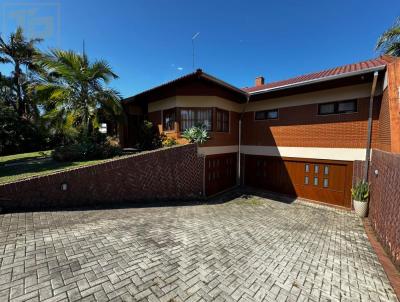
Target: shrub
[[148, 137], [95, 147], [18, 135], [197, 134], [361, 191], [169, 142]]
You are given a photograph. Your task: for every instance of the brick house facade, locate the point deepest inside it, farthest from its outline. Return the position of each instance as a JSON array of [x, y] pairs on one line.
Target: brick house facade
[[306, 131]]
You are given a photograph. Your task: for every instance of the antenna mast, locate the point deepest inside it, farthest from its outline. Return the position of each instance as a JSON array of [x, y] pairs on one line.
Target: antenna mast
[[193, 38]]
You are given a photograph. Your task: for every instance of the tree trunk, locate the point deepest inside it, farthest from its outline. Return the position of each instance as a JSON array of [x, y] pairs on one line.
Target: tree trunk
[[20, 100]]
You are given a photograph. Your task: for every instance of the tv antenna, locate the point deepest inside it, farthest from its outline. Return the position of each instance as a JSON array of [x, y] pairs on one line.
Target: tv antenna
[[193, 38]]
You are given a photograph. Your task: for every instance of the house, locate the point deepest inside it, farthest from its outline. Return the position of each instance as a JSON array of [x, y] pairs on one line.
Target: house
[[299, 137]]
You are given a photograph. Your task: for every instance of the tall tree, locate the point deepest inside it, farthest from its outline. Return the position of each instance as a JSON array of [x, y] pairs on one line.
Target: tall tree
[[76, 88], [389, 41], [20, 52]]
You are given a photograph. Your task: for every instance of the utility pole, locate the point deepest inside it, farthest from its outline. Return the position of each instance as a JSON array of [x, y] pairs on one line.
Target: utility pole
[[193, 38]]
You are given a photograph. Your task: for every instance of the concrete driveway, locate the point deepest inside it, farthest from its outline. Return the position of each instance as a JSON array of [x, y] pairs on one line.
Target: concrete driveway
[[244, 250]]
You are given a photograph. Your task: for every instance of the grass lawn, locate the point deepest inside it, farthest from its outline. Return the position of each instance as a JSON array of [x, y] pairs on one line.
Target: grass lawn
[[18, 166]]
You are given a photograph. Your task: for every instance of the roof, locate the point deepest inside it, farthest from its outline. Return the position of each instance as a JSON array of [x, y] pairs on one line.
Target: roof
[[325, 75], [344, 71], [194, 75]]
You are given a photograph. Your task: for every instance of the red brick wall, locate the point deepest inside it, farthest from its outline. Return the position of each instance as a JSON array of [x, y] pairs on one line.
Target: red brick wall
[[393, 71], [167, 174], [384, 124], [358, 171], [384, 211], [301, 126]]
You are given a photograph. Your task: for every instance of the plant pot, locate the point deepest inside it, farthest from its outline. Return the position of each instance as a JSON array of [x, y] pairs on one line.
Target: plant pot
[[360, 207]]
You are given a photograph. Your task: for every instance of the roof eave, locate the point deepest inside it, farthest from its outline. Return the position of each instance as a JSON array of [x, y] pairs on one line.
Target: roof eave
[[319, 80], [198, 73], [225, 84]]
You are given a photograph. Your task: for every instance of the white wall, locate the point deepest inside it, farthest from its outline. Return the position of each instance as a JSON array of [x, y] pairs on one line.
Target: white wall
[[346, 154]]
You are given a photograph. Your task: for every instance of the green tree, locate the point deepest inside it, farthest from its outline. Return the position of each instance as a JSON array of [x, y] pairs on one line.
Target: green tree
[[17, 135], [75, 89], [20, 52], [389, 41]]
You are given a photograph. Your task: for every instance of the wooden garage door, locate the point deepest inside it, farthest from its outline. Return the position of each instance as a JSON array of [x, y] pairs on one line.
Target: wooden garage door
[[220, 172], [320, 180]]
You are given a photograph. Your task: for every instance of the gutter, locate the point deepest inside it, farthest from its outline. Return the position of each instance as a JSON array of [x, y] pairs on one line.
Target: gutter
[[240, 138], [328, 78], [368, 147]]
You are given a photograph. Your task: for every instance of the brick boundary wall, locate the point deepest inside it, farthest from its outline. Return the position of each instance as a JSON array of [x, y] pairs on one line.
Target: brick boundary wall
[[384, 207], [175, 173], [384, 211]]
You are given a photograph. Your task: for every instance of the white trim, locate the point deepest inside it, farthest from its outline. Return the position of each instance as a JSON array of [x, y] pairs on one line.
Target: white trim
[[194, 101], [347, 154], [217, 150], [385, 81], [324, 79]]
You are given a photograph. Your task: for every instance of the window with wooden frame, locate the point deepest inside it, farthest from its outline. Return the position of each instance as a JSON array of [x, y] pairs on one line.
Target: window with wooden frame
[[169, 119], [190, 117], [222, 120], [266, 115], [348, 106]]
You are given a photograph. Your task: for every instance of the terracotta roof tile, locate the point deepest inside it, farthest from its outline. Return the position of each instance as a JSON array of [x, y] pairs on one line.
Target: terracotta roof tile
[[381, 61]]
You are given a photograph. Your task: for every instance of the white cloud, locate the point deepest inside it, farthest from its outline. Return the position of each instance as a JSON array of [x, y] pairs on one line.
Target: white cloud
[[180, 68]]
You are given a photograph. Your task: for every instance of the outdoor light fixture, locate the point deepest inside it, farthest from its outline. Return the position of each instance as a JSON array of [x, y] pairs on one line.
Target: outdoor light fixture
[[376, 172], [64, 187]]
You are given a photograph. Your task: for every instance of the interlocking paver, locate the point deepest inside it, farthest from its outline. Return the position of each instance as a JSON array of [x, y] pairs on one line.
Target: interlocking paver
[[245, 250]]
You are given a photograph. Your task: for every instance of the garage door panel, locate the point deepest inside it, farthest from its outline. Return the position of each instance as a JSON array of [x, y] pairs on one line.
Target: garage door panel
[[325, 181], [220, 172]]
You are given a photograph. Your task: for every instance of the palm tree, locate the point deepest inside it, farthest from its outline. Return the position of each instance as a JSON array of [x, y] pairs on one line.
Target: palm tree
[[389, 41], [20, 52], [76, 88]]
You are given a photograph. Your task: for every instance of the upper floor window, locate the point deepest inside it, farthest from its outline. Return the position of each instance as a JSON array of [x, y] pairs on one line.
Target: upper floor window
[[337, 107], [190, 117], [222, 120], [267, 114], [169, 119]]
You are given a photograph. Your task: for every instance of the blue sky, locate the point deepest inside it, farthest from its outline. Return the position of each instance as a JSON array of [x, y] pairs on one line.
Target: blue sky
[[149, 42]]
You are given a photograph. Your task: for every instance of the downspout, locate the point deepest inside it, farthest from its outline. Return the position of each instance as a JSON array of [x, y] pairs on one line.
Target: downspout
[[371, 106], [240, 138]]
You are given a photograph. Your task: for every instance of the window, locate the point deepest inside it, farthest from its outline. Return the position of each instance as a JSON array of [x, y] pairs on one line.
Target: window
[[222, 120], [193, 117], [326, 182], [315, 181], [306, 181], [169, 118], [307, 168], [326, 170], [338, 107], [316, 169], [267, 115], [326, 108]]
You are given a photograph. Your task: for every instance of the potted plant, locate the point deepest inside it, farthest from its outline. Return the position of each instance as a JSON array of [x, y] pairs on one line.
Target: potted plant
[[360, 194]]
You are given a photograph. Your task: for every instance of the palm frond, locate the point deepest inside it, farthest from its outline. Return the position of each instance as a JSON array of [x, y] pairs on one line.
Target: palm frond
[[110, 99], [101, 69], [389, 41]]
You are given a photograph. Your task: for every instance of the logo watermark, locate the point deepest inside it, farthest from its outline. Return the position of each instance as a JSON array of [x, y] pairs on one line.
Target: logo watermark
[[38, 19]]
